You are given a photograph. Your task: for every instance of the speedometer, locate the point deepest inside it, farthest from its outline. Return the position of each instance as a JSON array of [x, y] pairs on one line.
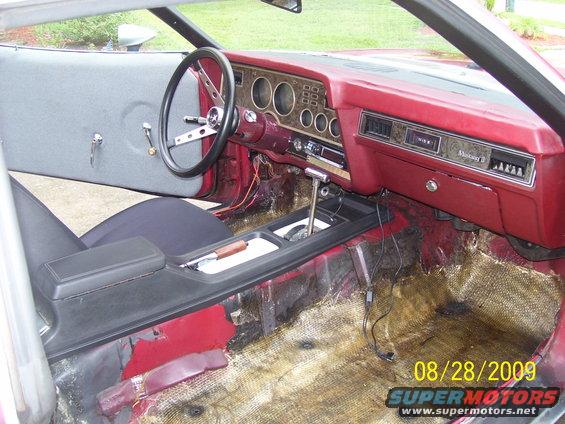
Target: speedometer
[[261, 92], [284, 99]]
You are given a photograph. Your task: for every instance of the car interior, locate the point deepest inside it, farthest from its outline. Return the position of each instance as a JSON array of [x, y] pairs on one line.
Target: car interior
[[372, 214]]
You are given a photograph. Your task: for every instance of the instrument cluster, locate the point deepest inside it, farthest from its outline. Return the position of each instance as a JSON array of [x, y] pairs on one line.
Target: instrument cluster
[[297, 103]]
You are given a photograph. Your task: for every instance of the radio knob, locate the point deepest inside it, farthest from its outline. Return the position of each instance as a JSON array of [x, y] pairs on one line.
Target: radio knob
[[431, 186], [297, 145], [317, 149]]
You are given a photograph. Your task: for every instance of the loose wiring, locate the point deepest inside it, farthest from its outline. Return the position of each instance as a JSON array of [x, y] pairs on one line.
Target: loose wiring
[[256, 179], [391, 293], [388, 356], [369, 294]]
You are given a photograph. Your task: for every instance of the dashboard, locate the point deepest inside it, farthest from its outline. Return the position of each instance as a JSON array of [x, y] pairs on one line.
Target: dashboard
[[473, 151]]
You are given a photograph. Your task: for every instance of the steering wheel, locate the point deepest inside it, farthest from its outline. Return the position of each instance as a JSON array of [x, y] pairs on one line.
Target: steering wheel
[[219, 120]]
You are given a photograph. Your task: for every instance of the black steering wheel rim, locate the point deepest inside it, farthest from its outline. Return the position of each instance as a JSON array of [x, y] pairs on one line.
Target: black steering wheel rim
[[225, 127]]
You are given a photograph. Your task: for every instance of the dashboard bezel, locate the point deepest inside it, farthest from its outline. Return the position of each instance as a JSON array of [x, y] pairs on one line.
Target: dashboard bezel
[[300, 85], [445, 137]]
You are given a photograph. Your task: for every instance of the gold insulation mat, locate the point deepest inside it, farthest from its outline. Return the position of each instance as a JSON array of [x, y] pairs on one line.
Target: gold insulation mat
[[320, 369]]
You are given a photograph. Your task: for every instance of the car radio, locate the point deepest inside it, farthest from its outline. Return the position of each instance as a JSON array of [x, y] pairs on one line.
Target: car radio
[[306, 147]]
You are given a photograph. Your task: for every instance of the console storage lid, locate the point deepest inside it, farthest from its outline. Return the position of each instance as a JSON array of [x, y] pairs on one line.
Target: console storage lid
[[99, 267]]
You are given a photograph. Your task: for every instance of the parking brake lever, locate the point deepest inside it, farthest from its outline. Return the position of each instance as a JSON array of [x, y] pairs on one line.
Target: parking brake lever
[[317, 177], [219, 253]]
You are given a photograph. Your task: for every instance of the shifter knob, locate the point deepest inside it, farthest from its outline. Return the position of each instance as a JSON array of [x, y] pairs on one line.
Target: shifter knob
[[317, 175]]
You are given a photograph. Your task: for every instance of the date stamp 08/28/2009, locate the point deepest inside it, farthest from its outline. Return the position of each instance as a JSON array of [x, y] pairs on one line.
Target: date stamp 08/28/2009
[[469, 371]]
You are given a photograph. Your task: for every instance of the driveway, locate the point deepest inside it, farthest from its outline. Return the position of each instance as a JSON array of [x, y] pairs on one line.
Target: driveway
[[547, 11]]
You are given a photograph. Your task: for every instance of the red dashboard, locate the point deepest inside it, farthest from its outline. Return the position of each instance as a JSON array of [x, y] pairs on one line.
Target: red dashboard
[[473, 152]]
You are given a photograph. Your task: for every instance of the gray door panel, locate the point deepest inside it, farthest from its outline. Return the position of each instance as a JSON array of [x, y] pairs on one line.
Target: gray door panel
[[53, 101]]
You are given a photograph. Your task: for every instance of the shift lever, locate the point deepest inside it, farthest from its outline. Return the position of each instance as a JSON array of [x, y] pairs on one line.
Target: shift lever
[[317, 177]]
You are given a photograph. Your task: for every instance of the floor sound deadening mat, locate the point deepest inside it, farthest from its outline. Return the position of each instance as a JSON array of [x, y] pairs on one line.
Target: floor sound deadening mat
[[320, 369]]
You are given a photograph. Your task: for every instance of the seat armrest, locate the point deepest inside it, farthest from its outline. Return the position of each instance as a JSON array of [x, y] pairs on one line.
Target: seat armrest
[[98, 268]]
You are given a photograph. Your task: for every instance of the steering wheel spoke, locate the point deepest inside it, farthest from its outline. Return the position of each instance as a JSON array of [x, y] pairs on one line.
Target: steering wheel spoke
[[193, 135], [213, 92], [194, 120]]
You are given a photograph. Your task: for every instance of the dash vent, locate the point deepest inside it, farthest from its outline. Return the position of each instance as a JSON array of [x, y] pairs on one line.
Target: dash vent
[[508, 164], [373, 126]]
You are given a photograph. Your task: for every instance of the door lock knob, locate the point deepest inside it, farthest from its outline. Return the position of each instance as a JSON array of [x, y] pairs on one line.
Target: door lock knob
[[96, 141]]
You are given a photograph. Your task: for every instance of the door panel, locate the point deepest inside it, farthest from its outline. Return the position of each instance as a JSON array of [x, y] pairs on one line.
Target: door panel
[[53, 101]]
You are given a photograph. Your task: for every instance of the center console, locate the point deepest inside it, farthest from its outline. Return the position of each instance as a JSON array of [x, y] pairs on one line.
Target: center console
[[132, 296]]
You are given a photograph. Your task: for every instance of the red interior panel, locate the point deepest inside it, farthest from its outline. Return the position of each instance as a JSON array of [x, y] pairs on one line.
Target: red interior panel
[[532, 213], [411, 179]]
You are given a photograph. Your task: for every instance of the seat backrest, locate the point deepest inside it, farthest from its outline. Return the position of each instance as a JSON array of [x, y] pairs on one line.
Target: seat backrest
[[44, 236]]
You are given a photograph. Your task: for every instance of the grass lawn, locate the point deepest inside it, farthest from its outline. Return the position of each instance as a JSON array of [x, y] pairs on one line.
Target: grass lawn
[[323, 25]]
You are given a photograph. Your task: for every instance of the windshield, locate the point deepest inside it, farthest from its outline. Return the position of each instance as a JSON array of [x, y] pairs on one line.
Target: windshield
[[323, 25], [334, 25]]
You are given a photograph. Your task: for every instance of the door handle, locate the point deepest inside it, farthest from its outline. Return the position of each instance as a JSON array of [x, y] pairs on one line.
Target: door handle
[[96, 141]]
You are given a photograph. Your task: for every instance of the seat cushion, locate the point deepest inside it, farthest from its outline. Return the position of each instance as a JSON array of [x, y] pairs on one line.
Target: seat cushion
[[174, 225]]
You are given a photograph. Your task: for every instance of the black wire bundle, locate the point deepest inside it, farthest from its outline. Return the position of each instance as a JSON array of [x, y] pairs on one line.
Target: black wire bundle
[[387, 356]]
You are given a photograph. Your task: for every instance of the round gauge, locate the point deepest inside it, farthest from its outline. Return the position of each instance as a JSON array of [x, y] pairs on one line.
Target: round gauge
[[284, 99], [261, 92], [335, 130], [321, 122], [306, 118]]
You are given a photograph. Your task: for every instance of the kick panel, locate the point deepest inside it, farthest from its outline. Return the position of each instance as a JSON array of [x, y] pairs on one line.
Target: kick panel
[[479, 155]]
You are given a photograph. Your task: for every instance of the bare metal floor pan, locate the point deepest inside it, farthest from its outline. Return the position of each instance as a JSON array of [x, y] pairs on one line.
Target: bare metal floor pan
[[320, 368]]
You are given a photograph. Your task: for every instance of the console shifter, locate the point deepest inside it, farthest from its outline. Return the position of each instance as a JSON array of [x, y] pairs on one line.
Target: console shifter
[[317, 177]]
